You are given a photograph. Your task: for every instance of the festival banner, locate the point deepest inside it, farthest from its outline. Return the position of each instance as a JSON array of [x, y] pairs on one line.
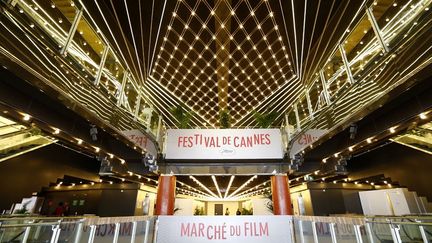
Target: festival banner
[[219, 144]]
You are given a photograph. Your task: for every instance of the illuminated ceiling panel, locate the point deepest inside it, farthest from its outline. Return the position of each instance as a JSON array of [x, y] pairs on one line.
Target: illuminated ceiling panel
[[222, 58], [234, 55]]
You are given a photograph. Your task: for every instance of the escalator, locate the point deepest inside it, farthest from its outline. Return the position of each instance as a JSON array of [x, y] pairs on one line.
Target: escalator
[[17, 139], [419, 138]]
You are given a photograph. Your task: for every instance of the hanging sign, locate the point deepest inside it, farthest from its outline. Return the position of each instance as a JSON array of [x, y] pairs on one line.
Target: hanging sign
[[141, 140], [224, 144], [251, 229], [305, 140]]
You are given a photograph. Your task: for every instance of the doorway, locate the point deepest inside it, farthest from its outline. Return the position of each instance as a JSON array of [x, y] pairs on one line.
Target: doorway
[[218, 209]]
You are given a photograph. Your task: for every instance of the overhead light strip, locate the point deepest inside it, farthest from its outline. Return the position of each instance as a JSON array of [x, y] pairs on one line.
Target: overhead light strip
[[203, 186], [217, 186], [242, 186], [229, 186]]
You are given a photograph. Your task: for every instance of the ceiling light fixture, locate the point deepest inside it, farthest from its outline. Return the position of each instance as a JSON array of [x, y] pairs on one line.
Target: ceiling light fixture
[[203, 186], [229, 186], [217, 186], [242, 186]]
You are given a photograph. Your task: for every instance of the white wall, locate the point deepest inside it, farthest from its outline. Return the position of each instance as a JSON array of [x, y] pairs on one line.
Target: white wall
[[396, 201], [260, 207], [185, 206]]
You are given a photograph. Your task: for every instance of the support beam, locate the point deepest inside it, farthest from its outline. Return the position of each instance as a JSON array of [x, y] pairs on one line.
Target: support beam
[[165, 195], [72, 31], [309, 104], [121, 93], [325, 87], [101, 65], [159, 127], [137, 105], [287, 128], [376, 29], [281, 195], [297, 117], [346, 64], [149, 118]]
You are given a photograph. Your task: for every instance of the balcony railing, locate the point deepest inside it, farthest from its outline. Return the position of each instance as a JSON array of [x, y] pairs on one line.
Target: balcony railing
[[63, 48], [380, 52], [145, 229]]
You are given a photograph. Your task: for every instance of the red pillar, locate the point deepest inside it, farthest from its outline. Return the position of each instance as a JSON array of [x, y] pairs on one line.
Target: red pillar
[[165, 195], [281, 195]]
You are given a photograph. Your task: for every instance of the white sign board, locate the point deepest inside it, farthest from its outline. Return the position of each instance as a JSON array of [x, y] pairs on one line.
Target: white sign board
[[251, 229], [224, 144], [305, 140]]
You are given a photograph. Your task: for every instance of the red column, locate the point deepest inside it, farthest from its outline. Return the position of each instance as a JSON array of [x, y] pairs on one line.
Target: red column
[[165, 195], [281, 195]]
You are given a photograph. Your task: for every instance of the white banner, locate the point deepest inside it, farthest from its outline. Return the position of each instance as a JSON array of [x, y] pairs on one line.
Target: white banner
[[250, 229], [224, 144], [305, 140]]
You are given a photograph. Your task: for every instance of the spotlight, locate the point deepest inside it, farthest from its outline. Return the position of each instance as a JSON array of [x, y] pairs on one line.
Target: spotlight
[[340, 167], [296, 161], [93, 132], [150, 162], [148, 159], [353, 130], [26, 117], [423, 116], [105, 168]]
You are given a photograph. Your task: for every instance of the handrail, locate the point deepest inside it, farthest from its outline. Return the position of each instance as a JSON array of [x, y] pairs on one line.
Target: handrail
[[42, 217], [322, 227]]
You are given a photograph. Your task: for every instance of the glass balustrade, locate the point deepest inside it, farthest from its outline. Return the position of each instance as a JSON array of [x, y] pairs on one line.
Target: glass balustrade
[[82, 61], [365, 46], [306, 229]]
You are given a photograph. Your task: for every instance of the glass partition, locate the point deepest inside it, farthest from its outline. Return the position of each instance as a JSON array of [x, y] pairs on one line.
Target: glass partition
[[345, 233], [334, 71], [316, 95], [361, 46], [112, 76], [323, 232], [303, 111], [87, 48], [49, 17], [131, 95]]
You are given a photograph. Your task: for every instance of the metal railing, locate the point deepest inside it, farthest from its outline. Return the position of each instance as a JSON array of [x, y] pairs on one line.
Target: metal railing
[[144, 229], [76, 229], [362, 229]]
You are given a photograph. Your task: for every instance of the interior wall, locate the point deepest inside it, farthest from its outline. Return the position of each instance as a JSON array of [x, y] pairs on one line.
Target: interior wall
[[260, 206], [28, 173], [184, 206], [79, 202], [410, 167], [117, 203], [231, 205], [307, 203], [145, 199], [123, 199]]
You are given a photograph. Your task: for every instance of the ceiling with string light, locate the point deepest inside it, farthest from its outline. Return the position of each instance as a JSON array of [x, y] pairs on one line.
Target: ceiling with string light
[[224, 55]]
